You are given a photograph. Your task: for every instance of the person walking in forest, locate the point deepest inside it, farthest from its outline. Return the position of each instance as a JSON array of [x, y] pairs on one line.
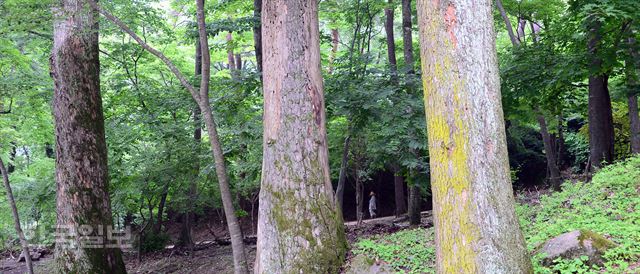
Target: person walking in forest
[[372, 205]]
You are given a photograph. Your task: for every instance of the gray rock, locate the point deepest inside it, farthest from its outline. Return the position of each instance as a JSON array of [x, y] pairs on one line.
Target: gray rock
[[361, 264], [575, 244]]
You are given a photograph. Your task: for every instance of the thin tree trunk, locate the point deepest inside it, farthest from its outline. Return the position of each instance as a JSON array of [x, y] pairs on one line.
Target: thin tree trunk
[[16, 217], [477, 229], [235, 233], [202, 98], [359, 199], [398, 187], [391, 43], [238, 62], [342, 178], [632, 96], [157, 229], [507, 22], [231, 57], [407, 36], [187, 233], [549, 151], [561, 151], [257, 33], [300, 229], [82, 195], [415, 200], [335, 42]]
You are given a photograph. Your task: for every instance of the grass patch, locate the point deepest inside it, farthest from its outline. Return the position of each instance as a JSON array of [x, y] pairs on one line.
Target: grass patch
[[407, 251], [608, 205]]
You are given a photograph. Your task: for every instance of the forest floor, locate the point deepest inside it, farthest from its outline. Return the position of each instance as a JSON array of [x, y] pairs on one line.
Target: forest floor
[[209, 257]]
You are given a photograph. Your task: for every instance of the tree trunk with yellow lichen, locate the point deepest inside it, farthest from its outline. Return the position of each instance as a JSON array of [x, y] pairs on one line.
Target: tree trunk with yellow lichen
[[477, 229], [300, 229]]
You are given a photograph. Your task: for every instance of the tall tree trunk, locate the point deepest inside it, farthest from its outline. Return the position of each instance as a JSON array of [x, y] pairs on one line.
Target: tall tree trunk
[[335, 42], [359, 199], [342, 178], [233, 69], [398, 187], [202, 98], [81, 152], [549, 151], [299, 226], [187, 233], [238, 62], [16, 217], [257, 33], [507, 22], [632, 95], [477, 229], [407, 36], [235, 232], [391, 43], [415, 200], [601, 134]]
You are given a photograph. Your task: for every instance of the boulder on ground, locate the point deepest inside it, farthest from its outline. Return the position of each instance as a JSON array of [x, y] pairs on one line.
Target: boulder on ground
[[35, 255], [575, 244]]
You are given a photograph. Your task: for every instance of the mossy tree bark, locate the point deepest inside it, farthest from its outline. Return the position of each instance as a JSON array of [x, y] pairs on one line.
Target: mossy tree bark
[[300, 229], [81, 152], [477, 229]]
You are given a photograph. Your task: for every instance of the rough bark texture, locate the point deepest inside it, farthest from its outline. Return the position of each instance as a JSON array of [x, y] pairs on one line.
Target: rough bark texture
[[507, 22], [299, 228], [601, 139], [477, 229], [634, 123], [407, 36], [414, 205], [257, 32], [343, 173], [398, 187], [549, 151], [16, 217], [359, 199], [81, 151], [391, 43]]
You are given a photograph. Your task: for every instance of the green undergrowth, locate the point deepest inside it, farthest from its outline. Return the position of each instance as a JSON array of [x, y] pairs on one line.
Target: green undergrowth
[[608, 205], [407, 251]]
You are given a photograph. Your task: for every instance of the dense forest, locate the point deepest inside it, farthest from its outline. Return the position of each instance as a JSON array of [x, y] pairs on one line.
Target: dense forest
[[319, 136]]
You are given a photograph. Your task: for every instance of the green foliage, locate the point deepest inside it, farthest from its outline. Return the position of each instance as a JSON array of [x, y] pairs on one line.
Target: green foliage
[[154, 242], [608, 205], [407, 251]]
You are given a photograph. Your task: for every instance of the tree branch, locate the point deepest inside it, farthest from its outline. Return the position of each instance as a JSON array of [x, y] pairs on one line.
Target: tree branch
[[183, 80]]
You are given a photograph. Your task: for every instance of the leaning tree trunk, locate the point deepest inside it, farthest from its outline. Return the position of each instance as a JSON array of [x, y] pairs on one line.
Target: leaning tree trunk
[[16, 217], [299, 227], [201, 97], [477, 229], [514, 40], [81, 150], [549, 151], [601, 134], [391, 43]]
